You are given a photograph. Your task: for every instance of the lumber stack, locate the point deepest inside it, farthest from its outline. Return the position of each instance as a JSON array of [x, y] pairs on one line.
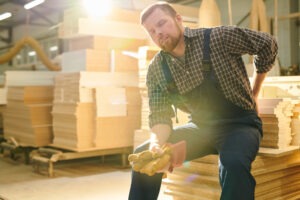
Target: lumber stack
[[101, 54], [121, 23], [276, 178], [115, 126], [280, 87], [276, 115], [283, 89], [27, 117], [95, 109]]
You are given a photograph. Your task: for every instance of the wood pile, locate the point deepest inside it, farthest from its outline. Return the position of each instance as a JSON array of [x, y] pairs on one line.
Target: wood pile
[[276, 178], [95, 109], [122, 23], [27, 117], [276, 115], [97, 101]]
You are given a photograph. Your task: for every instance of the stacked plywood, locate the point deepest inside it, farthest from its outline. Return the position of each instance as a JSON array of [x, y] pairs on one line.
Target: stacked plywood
[[73, 124], [276, 178], [280, 88], [95, 109], [29, 78], [118, 116], [118, 23], [121, 23], [102, 54], [2, 95], [27, 117], [276, 115]]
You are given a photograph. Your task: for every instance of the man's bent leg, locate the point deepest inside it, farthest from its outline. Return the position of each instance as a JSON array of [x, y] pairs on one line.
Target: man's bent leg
[[238, 148]]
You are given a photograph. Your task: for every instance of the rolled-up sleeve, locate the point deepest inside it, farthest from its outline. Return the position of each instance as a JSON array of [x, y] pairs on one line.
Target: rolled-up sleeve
[[161, 111], [245, 41]]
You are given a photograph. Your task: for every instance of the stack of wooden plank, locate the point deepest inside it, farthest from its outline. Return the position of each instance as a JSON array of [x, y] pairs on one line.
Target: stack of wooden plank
[[276, 115], [27, 117], [121, 23], [276, 178], [29, 78], [95, 109], [99, 81], [280, 87], [2, 95], [100, 56]]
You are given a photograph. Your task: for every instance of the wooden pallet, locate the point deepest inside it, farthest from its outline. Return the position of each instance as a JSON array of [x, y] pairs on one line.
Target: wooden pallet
[[53, 154]]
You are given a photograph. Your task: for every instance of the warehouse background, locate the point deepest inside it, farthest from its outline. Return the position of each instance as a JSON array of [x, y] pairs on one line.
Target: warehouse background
[[42, 22], [78, 124]]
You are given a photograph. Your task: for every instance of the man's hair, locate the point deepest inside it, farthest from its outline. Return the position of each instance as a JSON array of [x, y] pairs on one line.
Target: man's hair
[[164, 6]]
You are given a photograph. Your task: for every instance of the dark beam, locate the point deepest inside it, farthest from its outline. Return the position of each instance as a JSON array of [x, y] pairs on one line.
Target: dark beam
[[38, 14]]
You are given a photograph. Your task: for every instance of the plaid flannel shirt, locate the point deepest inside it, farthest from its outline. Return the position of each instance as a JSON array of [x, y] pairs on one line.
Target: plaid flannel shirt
[[227, 45]]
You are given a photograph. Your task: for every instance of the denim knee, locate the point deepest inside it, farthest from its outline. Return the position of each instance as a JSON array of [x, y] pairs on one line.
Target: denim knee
[[233, 162]]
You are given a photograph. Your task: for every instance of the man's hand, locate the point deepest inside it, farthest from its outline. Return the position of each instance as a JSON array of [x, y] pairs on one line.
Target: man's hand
[[149, 162]]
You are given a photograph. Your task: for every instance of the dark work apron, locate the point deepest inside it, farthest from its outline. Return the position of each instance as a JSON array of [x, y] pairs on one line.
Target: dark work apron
[[206, 103]]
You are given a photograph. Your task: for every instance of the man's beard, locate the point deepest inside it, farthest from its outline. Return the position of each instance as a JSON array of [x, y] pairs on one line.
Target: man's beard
[[169, 44]]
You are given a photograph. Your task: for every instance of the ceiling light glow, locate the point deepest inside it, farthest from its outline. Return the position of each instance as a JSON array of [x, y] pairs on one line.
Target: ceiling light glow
[[53, 48], [33, 4], [5, 15], [97, 8]]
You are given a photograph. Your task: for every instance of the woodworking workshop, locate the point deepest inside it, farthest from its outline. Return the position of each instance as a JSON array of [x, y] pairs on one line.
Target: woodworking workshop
[[150, 100]]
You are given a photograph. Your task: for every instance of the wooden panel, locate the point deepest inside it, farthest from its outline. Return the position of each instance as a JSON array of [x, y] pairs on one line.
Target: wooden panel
[[105, 43]]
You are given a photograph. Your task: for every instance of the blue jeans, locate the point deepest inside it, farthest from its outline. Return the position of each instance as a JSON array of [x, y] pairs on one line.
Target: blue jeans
[[237, 144]]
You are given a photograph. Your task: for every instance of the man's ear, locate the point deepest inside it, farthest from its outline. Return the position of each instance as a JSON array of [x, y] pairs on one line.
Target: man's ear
[[178, 18]]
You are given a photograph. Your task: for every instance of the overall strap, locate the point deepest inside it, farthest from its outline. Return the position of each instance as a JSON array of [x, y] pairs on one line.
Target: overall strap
[[206, 63], [168, 76]]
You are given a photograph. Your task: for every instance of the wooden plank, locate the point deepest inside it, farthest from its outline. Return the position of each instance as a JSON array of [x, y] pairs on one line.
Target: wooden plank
[[278, 152]]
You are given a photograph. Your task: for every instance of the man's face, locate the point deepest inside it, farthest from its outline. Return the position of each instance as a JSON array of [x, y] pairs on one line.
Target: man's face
[[163, 29]]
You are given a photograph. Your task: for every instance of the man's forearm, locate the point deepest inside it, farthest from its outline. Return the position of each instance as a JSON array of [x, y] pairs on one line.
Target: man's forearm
[[257, 83], [160, 133]]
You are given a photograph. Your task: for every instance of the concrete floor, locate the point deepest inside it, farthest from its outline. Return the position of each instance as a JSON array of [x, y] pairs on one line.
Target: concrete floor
[[85, 179]]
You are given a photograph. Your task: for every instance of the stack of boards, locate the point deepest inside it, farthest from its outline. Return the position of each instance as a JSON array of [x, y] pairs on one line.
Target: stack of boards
[[95, 101], [281, 121], [276, 178], [27, 117], [95, 109]]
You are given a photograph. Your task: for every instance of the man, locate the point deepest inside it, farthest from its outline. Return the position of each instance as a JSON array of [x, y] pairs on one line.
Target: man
[[201, 72]]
